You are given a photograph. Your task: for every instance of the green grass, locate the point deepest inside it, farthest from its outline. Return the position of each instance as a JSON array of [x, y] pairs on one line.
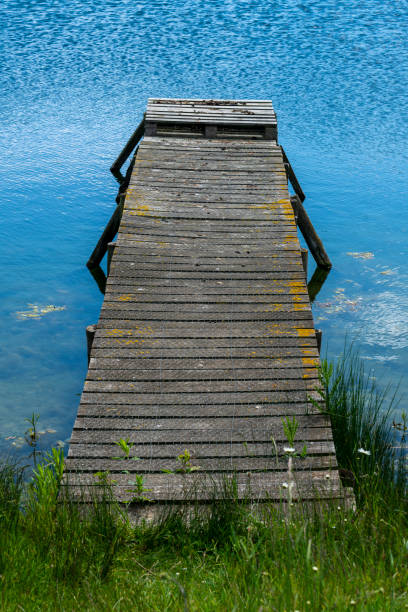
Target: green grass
[[55, 556]]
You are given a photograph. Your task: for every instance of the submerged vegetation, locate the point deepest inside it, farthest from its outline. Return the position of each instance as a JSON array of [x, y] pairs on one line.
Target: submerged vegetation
[[56, 555]]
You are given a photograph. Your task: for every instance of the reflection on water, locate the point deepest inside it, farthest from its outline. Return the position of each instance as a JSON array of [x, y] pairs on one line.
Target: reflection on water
[[316, 282], [75, 77], [99, 277]]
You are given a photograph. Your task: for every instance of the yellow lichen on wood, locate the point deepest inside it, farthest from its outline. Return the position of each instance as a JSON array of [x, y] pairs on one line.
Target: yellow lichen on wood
[[305, 333], [310, 361], [300, 307], [274, 308], [309, 373], [307, 351], [127, 297]]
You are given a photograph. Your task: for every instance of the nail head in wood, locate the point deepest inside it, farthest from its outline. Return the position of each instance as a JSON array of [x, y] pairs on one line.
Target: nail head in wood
[[210, 131]]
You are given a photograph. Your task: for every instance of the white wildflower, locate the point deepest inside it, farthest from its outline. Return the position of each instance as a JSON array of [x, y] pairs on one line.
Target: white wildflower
[[289, 449], [315, 568], [285, 485], [363, 451]]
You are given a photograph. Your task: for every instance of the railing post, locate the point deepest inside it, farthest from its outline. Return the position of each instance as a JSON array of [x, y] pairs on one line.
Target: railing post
[[305, 254], [309, 234], [90, 335], [111, 248], [128, 148]]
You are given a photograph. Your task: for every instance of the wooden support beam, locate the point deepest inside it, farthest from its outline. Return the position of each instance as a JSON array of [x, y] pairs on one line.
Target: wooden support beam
[[292, 176], [309, 234], [304, 253], [319, 335], [124, 184], [128, 148], [90, 334], [111, 248], [108, 235]]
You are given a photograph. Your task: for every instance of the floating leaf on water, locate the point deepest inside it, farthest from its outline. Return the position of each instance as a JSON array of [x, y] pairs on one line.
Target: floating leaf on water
[[363, 255], [387, 272], [36, 311], [339, 303], [19, 442]]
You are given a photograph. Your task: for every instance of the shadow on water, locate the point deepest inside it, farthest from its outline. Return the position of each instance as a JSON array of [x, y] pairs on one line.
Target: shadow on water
[[99, 277]]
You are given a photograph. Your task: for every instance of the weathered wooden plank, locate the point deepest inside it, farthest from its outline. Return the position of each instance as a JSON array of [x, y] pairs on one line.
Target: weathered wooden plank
[[198, 451], [177, 398], [197, 410], [218, 286], [225, 374], [139, 329], [154, 424], [183, 224], [169, 345], [193, 163], [197, 212], [207, 231], [176, 248], [221, 147], [139, 255], [165, 387], [212, 118], [120, 317], [157, 194], [132, 268], [238, 209], [126, 277], [294, 312], [181, 153], [192, 245], [157, 297], [209, 143], [193, 214], [247, 189], [222, 232], [206, 308], [213, 465], [270, 174], [217, 115], [233, 110], [261, 486], [191, 349], [206, 364], [194, 436], [224, 186]]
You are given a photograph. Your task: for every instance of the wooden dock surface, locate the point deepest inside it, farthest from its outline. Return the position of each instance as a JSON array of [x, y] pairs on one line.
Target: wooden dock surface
[[205, 340]]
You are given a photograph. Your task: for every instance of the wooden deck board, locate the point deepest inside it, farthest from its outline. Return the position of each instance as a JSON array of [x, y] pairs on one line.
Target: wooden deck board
[[206, 339]]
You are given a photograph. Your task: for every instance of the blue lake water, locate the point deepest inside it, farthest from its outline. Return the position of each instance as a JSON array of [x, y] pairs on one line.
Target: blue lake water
[[74, 81]]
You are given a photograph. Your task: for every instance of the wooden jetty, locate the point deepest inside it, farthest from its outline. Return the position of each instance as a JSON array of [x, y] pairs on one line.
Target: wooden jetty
[[205, 343]]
